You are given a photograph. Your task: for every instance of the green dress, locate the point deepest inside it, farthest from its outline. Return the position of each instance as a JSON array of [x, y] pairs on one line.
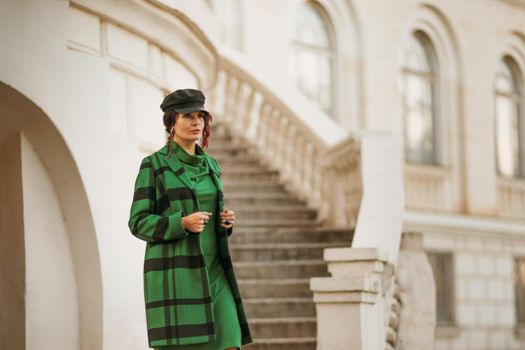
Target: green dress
[[227, 329]]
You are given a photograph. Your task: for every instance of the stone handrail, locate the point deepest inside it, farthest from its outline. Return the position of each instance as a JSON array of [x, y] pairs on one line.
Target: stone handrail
[[291, 140]]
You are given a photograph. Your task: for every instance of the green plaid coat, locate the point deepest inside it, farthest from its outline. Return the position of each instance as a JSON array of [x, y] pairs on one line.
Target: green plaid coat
[[176, 287]]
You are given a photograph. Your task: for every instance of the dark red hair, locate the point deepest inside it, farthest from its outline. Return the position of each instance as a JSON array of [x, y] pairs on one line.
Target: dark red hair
[[170, 117]]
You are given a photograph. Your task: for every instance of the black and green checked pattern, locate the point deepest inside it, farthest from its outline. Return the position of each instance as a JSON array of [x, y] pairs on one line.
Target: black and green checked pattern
[[176, 289]]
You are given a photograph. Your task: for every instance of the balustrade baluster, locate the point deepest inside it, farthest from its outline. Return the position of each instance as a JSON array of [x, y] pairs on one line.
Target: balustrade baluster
[[237, 106], [280, 140], [248, 104], [262, 126], [254, 115], [302, 166], [316, 177], [291, 132], [229, 98], [271, 136]]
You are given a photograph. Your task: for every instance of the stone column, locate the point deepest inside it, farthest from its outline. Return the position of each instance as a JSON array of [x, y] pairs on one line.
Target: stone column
[[350, 303]]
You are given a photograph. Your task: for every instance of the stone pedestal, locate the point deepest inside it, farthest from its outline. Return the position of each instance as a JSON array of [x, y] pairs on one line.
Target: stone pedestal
[[350, 303]]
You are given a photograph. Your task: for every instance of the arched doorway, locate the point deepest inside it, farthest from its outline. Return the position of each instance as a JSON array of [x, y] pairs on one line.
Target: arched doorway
[[50, 280]]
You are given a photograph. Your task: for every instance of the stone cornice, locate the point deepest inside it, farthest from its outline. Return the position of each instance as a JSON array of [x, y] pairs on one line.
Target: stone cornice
[[466, 224]]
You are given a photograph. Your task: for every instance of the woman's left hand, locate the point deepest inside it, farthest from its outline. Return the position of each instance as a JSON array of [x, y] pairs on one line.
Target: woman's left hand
[[227, 215]]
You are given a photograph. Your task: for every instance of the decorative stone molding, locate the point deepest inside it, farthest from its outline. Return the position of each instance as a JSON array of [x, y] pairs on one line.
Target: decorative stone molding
[[417, 318], [511, 198], [160, 25], [428, 187], [341, 169]]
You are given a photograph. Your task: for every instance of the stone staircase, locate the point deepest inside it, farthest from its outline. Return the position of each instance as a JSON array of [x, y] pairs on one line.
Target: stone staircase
[[276, 247]]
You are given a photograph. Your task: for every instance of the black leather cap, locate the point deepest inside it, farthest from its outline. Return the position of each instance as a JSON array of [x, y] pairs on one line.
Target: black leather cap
[[184, 101]]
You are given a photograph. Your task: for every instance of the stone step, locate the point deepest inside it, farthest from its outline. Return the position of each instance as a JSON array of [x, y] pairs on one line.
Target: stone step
[[270, 307], [222, 135], [275, 288], [247, 170], [276, 246], [230, 149], [225, 161], [283, 327], [280, 269], [280, 251], [303, 343], [263, 198], [251, 186], [290, 235], [244, 223], [249, 176], [276, 212], [219, 124]]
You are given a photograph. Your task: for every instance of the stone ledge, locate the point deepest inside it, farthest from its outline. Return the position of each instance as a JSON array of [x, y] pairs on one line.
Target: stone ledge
[[357, 297], [353, 254], [345, 284]]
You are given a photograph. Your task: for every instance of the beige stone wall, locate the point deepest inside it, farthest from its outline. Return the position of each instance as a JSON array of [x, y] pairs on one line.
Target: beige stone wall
[[469, 37], [462, 206], [82, 81], [96, 71], [482, 274]]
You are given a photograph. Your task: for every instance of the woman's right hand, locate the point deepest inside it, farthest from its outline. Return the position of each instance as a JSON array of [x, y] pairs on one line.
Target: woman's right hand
[[194, 222]]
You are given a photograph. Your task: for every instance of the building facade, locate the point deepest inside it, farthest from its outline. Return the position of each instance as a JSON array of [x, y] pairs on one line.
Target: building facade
[[80, 85]]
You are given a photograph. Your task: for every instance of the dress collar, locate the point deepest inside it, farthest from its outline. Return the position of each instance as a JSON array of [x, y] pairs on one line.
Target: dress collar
[[197, 158]]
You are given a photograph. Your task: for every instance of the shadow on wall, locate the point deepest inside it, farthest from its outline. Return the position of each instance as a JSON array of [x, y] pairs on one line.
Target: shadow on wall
[[27, 297]]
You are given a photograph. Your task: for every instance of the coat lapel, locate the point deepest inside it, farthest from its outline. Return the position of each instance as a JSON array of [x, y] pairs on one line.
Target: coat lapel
[[175, 165]]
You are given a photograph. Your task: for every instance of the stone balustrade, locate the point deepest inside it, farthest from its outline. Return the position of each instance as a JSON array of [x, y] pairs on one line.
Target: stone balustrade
[[317, 161], [511, 198], [283, 133]]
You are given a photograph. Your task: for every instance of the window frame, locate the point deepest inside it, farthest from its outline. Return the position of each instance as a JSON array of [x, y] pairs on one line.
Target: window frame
[[518, 98], [434, 78], [331, 52]]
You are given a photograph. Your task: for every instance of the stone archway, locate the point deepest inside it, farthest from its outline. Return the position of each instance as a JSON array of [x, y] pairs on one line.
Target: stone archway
[[50, 274]]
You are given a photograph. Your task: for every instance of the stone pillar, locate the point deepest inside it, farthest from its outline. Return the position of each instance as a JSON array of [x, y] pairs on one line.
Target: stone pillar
[[350, 303]]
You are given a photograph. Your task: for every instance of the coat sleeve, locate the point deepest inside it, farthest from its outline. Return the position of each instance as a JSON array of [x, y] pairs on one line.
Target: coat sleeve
[[229, 231], [143, 222]]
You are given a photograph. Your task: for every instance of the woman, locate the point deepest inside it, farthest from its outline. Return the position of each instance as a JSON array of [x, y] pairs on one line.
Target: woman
[[191, 293]]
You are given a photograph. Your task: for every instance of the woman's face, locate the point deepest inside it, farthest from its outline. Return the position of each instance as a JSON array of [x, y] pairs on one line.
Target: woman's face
[[188, 127]]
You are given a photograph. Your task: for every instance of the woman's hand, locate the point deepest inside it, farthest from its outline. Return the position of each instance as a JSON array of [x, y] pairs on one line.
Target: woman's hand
[[195, 222], [227, 218]]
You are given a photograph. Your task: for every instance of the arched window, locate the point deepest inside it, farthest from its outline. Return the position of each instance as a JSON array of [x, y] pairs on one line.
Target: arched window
[[420, 95], [313, 55], [229, 15], [509, 121]]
